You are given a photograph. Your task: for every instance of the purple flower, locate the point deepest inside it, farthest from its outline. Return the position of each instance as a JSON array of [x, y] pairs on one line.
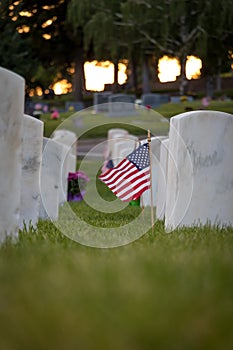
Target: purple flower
[[76, 185]]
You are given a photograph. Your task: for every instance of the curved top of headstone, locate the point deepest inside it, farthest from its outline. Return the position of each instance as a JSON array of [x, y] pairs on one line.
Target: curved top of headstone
[[29, 120], [32, 127], [9, 81], [202, 114], [113, 131], [60, 133], [122, 98], [12, 91]]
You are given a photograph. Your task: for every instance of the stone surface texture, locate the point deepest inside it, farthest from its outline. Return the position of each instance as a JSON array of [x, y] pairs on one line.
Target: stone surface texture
[[11, 117], [200, 170], [162, 180], [51, 179], [155, 155], [32, 142]]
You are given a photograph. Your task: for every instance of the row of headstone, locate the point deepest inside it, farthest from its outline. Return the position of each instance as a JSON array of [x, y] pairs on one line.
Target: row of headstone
[[119, 144], [155, 165], [154, 100], [192, 181], [125, 104], [114, 105], [34, 170]]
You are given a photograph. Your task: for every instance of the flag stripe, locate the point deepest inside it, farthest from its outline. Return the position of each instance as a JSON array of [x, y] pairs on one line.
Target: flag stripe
[[131, 177], [112, 173], [121, 174], [131, 190], [133, 180], [118, 167], [134, 194]]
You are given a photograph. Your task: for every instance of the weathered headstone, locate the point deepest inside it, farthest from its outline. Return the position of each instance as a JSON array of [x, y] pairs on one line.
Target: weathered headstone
[[154, 100], [67, 138], [71, 162], [64, 173], [121, 105], [101, 101], [11, 118], [68, 163], [175, 99], [200, 170], [112, 135], [122, 147], [155, 155], [32, 142], [51, 179], [162, 180]]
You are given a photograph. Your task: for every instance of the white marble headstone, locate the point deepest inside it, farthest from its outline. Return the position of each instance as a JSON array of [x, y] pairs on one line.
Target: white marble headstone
[[200, 170], [71, 163], [51, 179], [32, 143], [68, 164], [155, 155], [162, 180], [112, 135], [11, 116], [123, 146], [67, 138]]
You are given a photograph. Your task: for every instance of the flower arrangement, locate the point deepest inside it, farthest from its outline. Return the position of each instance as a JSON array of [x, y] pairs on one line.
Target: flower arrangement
[[183, 98], [55, 114], [77, 185]]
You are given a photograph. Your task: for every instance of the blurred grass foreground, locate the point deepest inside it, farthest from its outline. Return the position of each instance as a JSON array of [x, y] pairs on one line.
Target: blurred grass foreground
[[163, 291]]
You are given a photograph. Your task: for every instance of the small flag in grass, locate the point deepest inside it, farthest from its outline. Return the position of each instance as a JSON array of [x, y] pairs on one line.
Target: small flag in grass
[[131, 177], [108, 164]]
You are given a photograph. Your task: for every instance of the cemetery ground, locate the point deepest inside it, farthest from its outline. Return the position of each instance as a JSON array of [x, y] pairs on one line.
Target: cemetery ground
[[163, 291], [167, 110]]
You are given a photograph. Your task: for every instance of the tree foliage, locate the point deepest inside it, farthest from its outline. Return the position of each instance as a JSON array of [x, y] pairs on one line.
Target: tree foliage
[[53, 35]]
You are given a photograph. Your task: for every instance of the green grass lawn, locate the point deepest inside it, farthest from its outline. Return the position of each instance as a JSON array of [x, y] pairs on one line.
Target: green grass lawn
[[166, 110], [163, 291]]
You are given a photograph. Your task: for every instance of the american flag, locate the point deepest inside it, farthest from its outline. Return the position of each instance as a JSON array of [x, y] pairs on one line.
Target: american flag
[[131, 177]]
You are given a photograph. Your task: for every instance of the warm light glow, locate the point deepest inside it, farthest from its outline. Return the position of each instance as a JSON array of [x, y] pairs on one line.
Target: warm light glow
[[62, 87], [193, 67], [25, 14], [46, 36], [97, 74], [122, 76], [38, 91], [23, 29], [49, 22], [169, 69], [46, 7], [70, 70]]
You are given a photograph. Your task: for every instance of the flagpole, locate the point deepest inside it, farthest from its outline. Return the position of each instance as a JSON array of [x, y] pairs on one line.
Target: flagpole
[[151, 192]]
